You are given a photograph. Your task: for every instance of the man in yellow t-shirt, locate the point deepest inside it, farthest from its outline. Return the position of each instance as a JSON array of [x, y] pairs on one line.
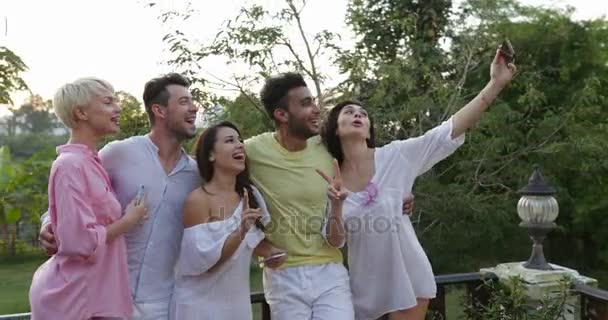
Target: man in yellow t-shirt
[[311, 280]]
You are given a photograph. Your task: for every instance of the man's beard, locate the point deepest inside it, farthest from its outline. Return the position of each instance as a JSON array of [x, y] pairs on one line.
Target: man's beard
[[298, 128], [180, 133]]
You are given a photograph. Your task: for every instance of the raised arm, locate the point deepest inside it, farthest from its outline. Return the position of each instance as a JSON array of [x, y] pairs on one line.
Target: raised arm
[[500, 75], [334, 232], [248, 218], [424, 151]]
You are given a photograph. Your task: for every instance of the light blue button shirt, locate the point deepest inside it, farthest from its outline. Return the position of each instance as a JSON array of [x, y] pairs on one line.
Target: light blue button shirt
[[153, 247]]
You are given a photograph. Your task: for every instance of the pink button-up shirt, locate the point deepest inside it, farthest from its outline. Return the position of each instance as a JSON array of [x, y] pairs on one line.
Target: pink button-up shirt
[[87, 277]]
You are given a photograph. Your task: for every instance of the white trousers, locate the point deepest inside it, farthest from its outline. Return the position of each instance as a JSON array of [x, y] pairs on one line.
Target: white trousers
[[318, 292]]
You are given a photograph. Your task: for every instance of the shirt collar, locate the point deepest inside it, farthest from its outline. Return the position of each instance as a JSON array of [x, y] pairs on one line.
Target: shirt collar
[[155, 147], [77, 148], [181, 163]]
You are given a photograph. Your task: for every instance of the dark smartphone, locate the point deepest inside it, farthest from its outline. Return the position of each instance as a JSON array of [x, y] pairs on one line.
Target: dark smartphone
[[507, 52], [140, 194], [260, 225]]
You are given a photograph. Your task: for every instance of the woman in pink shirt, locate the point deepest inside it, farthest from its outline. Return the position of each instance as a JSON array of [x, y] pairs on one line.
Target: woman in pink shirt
[[87, 278]]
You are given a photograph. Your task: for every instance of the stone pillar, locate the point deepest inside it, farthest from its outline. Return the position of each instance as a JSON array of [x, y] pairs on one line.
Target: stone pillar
[[543, 284]]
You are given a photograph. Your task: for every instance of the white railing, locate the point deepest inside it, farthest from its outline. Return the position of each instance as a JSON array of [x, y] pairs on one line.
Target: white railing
[[17, 316]]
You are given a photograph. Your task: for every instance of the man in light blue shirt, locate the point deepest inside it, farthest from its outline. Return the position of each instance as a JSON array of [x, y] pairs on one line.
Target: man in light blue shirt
[[168, 174]]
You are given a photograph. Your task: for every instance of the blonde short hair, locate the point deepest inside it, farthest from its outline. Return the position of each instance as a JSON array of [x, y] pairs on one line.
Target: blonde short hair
[[79, 93]]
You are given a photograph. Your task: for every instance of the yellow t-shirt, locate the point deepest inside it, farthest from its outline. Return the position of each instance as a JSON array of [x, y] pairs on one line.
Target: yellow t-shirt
[[296, 197]]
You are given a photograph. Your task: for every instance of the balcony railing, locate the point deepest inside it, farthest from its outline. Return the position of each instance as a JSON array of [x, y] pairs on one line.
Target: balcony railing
[[594, 301]]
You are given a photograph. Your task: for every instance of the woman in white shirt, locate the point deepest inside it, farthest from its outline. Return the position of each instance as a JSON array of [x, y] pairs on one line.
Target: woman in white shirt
[[389, 271], [224, 221]]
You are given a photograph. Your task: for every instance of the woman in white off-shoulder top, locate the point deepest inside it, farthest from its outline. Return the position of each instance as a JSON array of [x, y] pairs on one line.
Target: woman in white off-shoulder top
[[224, 221], [390, 273]]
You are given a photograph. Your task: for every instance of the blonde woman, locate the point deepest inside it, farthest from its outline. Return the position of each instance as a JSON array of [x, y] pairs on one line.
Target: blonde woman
[[87, 278]]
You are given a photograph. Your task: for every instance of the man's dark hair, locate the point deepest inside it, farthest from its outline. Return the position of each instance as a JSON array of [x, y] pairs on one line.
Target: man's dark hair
[[155, 91], [274, 92]]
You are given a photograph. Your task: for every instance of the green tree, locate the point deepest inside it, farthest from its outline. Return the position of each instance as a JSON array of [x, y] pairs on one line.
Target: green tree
[[23, 194], [23, 146], [11, 66], [250, 121], [133, 118], [31, 128], [553, 111], [33, 116]]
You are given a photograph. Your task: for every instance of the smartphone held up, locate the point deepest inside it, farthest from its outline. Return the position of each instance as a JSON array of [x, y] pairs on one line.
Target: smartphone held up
[[507, 51]]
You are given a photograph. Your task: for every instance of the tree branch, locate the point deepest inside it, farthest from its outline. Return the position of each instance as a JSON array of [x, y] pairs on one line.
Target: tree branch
[[238, 87], [297, 57], [460, 85], [314, 55], [314, 74]]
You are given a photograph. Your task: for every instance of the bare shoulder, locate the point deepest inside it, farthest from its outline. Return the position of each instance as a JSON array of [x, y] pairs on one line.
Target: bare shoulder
[[196, 208]]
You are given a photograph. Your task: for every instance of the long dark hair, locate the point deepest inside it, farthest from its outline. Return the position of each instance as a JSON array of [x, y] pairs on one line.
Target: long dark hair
[[329, 133], [202, 151]]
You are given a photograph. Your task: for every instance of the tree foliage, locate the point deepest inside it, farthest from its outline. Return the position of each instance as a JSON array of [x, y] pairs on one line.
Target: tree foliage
[[31, 127], [23, 194], [250, 121], [508, 299], [11, 66], [33, 116], [133, 118]]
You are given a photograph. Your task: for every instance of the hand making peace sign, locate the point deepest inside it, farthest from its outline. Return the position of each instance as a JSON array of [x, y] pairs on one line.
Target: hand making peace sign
[[335, 191], [248, 216]]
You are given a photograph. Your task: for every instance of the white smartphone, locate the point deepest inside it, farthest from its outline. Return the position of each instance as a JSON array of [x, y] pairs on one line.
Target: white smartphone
[[140, 194], [275, 256]]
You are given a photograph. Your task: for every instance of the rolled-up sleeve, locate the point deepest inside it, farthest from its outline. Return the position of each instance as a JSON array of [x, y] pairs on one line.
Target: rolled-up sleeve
[[77, 231]]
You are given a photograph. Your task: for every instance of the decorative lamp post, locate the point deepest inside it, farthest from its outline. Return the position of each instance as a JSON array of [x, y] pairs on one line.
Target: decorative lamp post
[[538, 210]]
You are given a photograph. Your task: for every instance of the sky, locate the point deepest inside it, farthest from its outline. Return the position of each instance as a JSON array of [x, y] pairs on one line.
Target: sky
[[121, 40]]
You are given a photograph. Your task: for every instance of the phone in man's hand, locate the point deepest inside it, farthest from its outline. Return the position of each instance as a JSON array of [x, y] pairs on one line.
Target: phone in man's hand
[[140, 194], [275, 256]]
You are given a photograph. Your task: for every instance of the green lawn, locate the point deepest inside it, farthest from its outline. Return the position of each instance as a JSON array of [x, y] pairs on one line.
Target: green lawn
[[15, 280]]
